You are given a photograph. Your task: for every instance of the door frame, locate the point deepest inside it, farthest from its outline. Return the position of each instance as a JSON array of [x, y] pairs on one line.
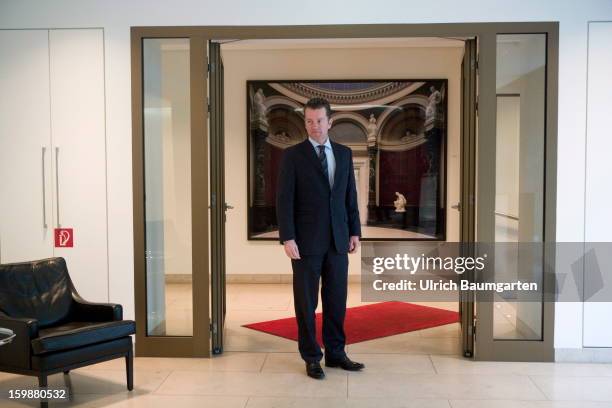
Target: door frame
[[218, 206], [199, 344], [467, 201], [173, 346], [488, 348]]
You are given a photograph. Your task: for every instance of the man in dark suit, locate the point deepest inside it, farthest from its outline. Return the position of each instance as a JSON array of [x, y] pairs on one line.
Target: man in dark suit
[[319, 225]]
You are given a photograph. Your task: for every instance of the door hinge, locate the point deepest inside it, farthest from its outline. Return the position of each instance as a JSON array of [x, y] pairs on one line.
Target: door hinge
[[213, 200], [213, 328]]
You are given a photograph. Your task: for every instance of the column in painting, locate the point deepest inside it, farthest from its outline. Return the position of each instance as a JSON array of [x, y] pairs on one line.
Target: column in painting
[[430, 192], [372, 156], [259, 132]]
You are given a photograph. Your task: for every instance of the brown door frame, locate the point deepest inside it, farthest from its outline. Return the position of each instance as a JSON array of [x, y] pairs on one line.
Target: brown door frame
[[173, 346], [199, 344], [488, 348], [217, 190], [467, 202]]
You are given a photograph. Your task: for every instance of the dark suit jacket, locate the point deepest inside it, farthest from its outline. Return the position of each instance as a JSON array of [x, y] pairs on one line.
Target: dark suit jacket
[[307, 209]]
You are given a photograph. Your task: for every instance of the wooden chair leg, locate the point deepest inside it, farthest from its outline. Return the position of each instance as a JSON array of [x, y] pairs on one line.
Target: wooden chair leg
[[129, 368], [42, 382]]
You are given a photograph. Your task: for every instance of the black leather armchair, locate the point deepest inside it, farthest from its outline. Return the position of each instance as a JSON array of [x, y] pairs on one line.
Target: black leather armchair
[[56, 330]]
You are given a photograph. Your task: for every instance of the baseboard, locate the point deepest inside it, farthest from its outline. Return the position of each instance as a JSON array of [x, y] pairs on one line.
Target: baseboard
[[272, 278], [258, 278], [584, 355], [281, 278], [178, 278]]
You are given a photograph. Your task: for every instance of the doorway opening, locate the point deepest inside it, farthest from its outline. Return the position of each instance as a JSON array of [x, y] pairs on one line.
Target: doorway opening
[[493, 53], [265, 85]]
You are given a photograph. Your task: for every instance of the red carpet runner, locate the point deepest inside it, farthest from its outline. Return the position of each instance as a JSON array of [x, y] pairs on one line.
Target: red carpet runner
[[369, 322]]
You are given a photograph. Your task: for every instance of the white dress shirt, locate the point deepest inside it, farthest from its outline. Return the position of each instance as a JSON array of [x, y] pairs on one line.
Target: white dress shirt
[[331, 160]]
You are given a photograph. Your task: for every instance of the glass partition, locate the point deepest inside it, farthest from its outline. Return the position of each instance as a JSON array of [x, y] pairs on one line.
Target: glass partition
[[167, 170], [519, 180]]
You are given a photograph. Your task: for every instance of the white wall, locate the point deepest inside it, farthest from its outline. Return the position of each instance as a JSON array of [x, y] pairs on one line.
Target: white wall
[[116, 18], [598, 197], [268, 257]]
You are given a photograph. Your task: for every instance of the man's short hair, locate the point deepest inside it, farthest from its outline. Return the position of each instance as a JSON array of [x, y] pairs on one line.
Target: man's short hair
[[318, 103]]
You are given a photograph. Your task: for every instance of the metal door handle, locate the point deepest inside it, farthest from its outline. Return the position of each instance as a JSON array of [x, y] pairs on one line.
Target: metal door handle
[[456, 206], [44, 189], [57, 197], [228, 207]]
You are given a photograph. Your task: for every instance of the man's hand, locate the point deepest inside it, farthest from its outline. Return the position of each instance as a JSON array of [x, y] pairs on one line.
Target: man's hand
[[291, 249], [353, 244]]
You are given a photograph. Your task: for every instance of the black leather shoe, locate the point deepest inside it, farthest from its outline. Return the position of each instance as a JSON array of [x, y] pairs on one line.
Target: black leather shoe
[[314, 370], [345, 364]]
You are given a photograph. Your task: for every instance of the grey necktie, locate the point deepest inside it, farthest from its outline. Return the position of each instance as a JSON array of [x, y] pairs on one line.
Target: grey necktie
[[323, 160]]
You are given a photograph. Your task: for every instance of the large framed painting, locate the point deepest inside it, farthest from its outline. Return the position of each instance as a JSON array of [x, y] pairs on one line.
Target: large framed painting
[[397, 130]]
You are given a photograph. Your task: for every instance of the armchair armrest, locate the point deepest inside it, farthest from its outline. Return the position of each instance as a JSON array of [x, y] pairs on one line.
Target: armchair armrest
[[85, 311], [18, 352]]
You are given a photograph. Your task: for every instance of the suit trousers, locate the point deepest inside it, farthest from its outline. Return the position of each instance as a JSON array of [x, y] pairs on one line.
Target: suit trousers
[[331, 269]]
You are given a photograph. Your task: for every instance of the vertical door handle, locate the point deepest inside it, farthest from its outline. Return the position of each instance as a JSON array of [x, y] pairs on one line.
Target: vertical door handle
[[44, 189], [57, 196]]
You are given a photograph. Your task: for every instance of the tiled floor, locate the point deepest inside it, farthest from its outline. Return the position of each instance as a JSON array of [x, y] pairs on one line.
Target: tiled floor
[[247, 379], [418, 369]]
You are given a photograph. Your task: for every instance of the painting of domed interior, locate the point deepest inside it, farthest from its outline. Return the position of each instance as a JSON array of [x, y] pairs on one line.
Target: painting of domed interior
[[397, 131]]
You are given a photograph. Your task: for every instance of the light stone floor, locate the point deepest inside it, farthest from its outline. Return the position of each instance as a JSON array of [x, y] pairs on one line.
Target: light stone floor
[[419, 369]]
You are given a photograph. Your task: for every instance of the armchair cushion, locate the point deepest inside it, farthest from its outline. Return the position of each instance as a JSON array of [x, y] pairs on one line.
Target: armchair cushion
[[38, 290], [94, 352], [78, 334]]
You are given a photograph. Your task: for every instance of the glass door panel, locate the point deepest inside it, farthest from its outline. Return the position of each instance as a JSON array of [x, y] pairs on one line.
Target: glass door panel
[[516, 164], [167, 175], [519, 181]]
